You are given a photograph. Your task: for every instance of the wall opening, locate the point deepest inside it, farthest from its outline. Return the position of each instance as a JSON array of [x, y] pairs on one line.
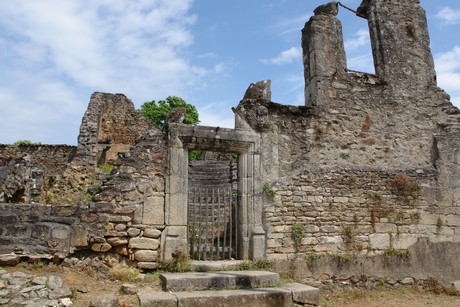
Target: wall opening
[[357, 41], [212, 206]]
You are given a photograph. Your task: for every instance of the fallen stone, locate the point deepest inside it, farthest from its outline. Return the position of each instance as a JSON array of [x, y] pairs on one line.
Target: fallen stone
[[39, 280], [33, 288], [407, 281], [66, 302], [129, 289], [456, 285], [109, 301], [60, 293], [55, 282], [39, 303], [9, 260]]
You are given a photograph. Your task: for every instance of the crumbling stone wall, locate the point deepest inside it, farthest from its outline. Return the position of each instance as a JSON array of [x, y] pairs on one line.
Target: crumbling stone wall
[[28, 171]]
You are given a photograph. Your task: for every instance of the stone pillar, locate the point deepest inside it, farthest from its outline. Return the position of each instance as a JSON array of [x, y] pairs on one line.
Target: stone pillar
[[401, 44], [323, 54]]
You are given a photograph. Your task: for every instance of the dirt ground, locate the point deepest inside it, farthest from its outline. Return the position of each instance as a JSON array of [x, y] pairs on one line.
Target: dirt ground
[[98, 287]]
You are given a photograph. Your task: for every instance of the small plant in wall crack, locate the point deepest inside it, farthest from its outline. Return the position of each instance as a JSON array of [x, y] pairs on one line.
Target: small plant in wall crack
[[268, 190], [312, 259], [439, 223], [349, 235], [297, 234]]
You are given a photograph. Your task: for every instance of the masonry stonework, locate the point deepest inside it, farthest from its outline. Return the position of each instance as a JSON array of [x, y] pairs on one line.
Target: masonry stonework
[[362, 180]]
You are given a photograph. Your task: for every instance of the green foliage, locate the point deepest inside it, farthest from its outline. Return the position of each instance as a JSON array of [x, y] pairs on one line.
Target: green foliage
[[26, 142], [267, 189], [439, 223], [246, 265], [157, 113], [349, 235], [263, 264], [344, 259], [105, 168], [312, 259], [194, 155], [297, 234], [401, 254]]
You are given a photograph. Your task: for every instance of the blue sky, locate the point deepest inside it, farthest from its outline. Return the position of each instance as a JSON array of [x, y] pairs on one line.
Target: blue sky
[[54, 54]]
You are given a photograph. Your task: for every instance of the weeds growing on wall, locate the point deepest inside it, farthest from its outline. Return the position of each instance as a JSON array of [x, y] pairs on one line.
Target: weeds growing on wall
[[406, 187], [297, 234], [268, 190], [312, 259], [348, 234], [393, 255]]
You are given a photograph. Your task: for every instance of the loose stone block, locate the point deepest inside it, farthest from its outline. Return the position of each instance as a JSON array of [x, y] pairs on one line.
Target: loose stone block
[[144, 243]]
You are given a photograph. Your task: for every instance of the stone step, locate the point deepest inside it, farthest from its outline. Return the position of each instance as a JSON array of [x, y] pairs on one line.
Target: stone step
[[285, 296], [197, 281]]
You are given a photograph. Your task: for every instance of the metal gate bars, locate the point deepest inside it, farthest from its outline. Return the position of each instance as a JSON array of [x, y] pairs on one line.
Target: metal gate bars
[[212, 216]]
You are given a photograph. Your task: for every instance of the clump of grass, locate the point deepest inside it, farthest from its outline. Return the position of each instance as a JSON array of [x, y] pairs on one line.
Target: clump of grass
[[179, 263], [263, 264], [246, 265], [123, 273], [106, 168], [439, 223], [344, 259]]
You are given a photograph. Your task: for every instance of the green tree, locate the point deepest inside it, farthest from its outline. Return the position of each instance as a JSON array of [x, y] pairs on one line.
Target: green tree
[[157, 113], [26, 142]]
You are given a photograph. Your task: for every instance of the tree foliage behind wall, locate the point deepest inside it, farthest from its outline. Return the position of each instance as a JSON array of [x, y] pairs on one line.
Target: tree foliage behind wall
[[157, 112]]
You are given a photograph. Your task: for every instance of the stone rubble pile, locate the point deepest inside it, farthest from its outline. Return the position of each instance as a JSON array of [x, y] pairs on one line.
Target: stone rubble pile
[[21, 289]]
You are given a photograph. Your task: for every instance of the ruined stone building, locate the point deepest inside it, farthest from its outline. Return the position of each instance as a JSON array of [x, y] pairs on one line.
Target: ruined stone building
[[362, 180]]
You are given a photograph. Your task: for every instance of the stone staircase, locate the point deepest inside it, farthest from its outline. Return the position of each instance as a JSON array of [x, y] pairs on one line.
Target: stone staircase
[[228, 288]]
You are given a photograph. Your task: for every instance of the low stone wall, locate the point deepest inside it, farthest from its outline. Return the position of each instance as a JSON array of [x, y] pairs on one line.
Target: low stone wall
[[34, 231]]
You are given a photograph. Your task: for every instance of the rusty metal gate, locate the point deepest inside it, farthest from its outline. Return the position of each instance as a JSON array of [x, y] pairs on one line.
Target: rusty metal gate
[[212, 216]]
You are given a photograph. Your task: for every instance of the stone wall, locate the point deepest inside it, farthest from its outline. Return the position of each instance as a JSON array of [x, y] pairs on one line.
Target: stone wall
[[27, 171]]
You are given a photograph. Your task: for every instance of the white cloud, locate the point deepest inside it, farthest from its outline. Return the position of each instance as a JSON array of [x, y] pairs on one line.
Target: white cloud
[[449, 15], [285, 57], [215, 115], [360, 39], [57, 52], [448, 72]]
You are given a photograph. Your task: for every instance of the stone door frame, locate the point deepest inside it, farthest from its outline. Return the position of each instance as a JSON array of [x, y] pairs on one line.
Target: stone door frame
[[181, 138]]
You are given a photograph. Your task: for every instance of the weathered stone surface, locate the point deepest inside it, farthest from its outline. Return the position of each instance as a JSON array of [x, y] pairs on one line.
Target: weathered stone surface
[[218, 280], [108, 301], [101, 247], [117, 241], [9, 260], [379, 241], [149, 265], [259, 90], [303, 294], [150, 297], [152, 233], [146, 256], [269, 297], [144, 243], [129, 289], [133, 232]]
